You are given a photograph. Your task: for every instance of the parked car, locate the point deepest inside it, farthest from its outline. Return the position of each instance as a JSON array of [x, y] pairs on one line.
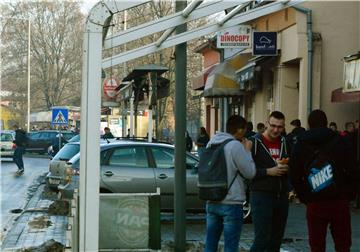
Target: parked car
[[7, 145], [40, 141]]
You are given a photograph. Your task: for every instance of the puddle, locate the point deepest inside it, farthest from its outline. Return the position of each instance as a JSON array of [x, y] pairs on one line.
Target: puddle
[[59, 207], [40, 222], [16, 211], [49, 246]]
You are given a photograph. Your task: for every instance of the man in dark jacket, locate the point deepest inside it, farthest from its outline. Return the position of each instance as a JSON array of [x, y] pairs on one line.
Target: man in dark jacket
[[297, 130], [326, 204], [269, 189], [20, 141]]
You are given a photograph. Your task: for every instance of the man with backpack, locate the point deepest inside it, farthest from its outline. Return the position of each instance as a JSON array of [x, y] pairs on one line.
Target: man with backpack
[[20, 141], [227, 156], [323, 173], [269, 189]]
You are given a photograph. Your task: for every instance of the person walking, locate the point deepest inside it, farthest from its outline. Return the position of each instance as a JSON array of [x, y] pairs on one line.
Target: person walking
[[202, 140], [20, 142], [320, 151], [227, 215], [269, 189]]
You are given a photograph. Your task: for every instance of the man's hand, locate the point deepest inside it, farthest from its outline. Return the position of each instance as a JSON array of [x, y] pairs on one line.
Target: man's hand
[[277, 170], [247, 144]]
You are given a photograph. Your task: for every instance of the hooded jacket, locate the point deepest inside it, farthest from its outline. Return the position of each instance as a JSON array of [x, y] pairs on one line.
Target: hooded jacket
[[342, 157], [263, 160], [237, 159]]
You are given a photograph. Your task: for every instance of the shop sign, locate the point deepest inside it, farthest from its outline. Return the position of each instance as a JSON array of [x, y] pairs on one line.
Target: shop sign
[[235, 37], [264, 43], [352, 75]]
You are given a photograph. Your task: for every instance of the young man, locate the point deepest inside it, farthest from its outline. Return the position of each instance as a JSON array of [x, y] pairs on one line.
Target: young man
[[227, 215], [20, 141], [331, 206], [269, 188], [107, 134]]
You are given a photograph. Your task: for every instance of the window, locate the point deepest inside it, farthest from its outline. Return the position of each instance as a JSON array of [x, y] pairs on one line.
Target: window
[[6, 137], [35, 136], [165, 157], [129, 157], [67, 152]]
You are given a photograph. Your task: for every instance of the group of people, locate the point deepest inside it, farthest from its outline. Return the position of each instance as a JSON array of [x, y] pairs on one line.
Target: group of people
[[273, 163]]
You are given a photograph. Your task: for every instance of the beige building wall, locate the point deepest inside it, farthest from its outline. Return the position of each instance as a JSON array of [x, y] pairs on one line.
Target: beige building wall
[[338, 23]]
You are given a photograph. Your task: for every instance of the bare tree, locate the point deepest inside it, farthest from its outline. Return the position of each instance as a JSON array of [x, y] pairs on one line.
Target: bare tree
[[56, 42]]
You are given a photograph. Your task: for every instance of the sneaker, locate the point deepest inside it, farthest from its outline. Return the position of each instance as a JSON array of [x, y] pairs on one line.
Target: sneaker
[[21, 170]]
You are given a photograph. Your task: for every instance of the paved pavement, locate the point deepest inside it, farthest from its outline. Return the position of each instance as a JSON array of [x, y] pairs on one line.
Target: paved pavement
[[35, 226]]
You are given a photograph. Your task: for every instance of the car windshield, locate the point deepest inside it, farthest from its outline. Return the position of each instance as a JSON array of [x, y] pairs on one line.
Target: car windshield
[[75, 138], [6, 137], [67, 152]]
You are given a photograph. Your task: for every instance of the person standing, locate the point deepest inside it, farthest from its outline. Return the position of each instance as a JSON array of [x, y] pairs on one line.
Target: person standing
[[260, 128], [20, 142], [249, 132], [269, 189], [189, 142], [202, 140], [107, 134], [327, 204], [227, 215]]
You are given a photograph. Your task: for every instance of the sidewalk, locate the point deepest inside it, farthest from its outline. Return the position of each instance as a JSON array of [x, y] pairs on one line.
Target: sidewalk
[[35, 226]]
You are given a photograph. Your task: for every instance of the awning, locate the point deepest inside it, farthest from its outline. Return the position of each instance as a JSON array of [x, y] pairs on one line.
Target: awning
[[338, 95], [246, 73], [221, 82], [198, 82]]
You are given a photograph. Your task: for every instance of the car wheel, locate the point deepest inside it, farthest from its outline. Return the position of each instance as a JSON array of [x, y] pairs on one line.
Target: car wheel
[[247, 212]]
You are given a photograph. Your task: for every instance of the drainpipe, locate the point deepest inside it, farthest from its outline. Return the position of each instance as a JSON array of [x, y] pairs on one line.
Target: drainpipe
[[308, 13]]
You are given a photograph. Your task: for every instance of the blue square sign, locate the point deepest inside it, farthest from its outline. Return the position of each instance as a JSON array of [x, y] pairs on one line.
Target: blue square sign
[[264, 43], [59, 116]]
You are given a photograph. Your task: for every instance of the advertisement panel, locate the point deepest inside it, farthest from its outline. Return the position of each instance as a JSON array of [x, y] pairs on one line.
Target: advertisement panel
[[235, 37]]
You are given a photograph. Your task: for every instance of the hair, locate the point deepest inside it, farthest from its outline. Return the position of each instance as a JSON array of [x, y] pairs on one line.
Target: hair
[[296, 123], [106, 128], [260, 126], [277, 114], [249, 126], [333, 124], [317, 119], [234, 123], [203, 131]]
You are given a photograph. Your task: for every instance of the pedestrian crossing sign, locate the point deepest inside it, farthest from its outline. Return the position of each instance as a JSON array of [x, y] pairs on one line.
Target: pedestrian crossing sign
[[59, 116]]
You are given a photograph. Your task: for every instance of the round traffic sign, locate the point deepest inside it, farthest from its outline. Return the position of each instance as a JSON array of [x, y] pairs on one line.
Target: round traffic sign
[[110, 85]]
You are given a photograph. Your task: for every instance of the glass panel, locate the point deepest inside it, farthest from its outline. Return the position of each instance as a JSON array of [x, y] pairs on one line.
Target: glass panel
[[129, 157]]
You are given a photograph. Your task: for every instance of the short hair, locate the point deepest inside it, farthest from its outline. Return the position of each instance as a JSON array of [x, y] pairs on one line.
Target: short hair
[[277, 114], [106, 128], [317, 119], [347, 124], [260, 126], [296, 123], [249, 126], [234, 123], [333, 124]]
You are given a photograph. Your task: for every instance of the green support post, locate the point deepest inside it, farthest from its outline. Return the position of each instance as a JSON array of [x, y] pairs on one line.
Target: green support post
[[180, 127], [153, 76]]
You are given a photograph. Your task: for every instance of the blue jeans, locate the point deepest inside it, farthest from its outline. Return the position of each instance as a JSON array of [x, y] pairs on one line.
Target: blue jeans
[[269, 215], [18, 157], [225, 217]]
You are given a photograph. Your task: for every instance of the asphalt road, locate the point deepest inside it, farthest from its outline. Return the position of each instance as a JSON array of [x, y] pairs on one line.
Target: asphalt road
[[16, 190]]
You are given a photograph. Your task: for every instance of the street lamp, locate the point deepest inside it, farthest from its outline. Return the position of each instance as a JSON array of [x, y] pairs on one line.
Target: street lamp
[[28, 68]]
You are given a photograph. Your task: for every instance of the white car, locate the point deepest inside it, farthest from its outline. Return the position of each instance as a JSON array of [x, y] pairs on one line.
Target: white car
[[7, 145]]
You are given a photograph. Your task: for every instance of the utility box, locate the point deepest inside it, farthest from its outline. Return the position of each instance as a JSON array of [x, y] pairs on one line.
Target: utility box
[[130, 221]]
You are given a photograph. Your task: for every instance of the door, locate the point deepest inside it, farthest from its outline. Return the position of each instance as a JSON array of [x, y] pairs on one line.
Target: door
[[165, 178], [127, 171]]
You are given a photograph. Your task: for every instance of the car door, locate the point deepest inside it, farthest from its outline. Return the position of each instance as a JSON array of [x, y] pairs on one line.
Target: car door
[[33, 141], [165, 178], [127, 170]]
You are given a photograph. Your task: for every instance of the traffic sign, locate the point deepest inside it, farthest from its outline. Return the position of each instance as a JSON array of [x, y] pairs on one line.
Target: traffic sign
[[110, 85], [60, 116], [265, 43]]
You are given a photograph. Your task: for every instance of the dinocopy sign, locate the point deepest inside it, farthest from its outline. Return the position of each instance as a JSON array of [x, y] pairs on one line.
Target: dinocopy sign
[[265, 43], [235, 37]]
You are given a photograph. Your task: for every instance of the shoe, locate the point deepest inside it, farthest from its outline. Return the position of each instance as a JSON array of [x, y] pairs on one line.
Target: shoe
[[20, 171]]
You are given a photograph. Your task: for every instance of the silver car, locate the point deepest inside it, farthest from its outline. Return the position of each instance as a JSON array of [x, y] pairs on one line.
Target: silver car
[[7, 145], [137, 167]]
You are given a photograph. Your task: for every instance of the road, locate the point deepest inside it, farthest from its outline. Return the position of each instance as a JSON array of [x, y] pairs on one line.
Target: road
[[15, 191]]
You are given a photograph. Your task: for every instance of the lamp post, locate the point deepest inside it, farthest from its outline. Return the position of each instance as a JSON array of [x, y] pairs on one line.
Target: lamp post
[[28, 67]]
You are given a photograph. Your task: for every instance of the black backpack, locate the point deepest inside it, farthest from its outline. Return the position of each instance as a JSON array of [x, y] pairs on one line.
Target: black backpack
[[323, 174], [212, 173]]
